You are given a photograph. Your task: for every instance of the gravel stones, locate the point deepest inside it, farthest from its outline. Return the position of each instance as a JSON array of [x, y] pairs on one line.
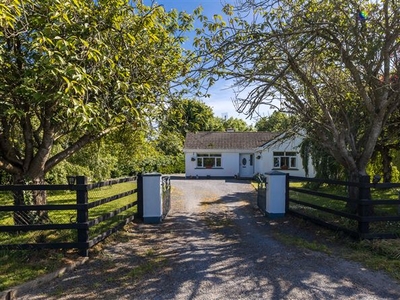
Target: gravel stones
[[214, 245]]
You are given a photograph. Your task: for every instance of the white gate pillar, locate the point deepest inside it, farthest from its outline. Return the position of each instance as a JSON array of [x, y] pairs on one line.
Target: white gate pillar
[[152, 198], [275, 194]]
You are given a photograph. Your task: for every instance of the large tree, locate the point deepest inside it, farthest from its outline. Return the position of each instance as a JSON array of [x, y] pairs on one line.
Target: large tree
[[187, 115], [191, 115], [74, 71], [235, 124], [333, 64], [276, 122]]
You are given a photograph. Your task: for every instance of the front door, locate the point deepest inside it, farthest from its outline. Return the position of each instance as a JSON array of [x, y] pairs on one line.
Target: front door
[[246, 165]]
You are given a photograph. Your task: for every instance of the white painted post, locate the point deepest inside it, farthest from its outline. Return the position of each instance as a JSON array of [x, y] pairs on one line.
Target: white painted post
[[152, 198], [275, 194]]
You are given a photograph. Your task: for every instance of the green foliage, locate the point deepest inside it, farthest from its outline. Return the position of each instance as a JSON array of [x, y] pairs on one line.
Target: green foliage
[[93, 161], [315, 60], [326, 167], [276, 122], [4, 178], [187, 115], [74, 71], [173, 164], [113, 156], [170, 142], [237, 125], [181, 117], [375, 168], [396, 159]]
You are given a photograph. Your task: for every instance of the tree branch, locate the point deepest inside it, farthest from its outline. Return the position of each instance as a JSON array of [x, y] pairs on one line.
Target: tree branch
[[79, 144]]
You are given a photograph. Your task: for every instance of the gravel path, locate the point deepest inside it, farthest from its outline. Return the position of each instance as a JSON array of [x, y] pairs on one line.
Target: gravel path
[[214, 245]]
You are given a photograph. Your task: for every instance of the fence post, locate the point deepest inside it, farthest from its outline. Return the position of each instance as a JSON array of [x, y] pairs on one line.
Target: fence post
[[398, 206], [287, 193], [364, 204], [140, 196], [82, 216]]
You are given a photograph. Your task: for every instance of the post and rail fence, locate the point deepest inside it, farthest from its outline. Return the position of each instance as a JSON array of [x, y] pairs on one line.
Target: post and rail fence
[[78, 215], [330, 206]]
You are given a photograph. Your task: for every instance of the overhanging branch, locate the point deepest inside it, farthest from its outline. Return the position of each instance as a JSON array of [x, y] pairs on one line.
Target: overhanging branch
[[79, 144]]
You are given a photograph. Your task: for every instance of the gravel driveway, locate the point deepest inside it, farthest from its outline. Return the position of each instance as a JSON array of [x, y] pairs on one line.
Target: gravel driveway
[[214, 245]]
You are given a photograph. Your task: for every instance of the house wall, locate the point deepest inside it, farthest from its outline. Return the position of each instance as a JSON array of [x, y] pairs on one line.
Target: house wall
[[229, 167], [266, 163], [230, 160]]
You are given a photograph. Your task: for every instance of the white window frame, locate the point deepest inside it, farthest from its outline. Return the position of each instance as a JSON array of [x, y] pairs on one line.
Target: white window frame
[[209, 160], [282, 158]]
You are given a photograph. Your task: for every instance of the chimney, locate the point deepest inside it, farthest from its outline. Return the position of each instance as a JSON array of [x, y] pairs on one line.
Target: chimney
[[230, 130]]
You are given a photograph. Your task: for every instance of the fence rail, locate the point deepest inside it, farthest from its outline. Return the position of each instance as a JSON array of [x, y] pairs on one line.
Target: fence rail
[[372, 219], [89, 211]]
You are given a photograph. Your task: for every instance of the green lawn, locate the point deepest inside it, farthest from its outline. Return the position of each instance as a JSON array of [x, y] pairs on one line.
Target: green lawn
[[378, 254], [379, 210], [20, 266]]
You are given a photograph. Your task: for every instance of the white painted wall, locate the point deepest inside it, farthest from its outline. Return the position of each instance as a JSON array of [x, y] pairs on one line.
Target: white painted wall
[[229, 162], [266, 163]]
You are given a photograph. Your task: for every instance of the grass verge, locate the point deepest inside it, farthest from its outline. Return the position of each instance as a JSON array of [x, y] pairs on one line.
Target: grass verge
[[151, 263], [380, 255], [19, 266]]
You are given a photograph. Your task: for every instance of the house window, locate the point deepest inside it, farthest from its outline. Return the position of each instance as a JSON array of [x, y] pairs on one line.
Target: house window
[[285, 160], [209, 161]]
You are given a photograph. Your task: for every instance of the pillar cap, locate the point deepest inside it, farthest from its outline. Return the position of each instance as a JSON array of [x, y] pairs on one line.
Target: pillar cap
[[152, 174], [275, 173]]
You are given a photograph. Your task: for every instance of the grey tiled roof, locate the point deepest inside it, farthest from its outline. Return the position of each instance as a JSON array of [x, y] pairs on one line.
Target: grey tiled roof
[[227, 140]]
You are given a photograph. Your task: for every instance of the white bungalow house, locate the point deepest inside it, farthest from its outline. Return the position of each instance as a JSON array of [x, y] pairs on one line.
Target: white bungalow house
[[241, 154]]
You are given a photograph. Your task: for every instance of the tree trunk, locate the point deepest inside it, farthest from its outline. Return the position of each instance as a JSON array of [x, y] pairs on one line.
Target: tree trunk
[[357, 193], [30, 197], [353, 191], [20, 217], [39, 197]]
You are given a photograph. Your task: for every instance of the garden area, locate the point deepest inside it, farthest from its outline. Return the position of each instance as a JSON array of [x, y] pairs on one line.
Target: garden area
[[22, 265]]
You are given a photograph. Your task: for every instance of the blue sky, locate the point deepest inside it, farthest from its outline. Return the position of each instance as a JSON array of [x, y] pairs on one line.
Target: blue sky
[[221, 94]]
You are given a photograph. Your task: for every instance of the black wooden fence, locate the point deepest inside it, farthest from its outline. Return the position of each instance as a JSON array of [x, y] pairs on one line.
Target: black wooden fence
[[88, 197], [373, 218]]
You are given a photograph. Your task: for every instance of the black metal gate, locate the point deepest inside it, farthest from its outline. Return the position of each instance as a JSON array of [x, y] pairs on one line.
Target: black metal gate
[[261, 192], [166, 194], [261, 195]]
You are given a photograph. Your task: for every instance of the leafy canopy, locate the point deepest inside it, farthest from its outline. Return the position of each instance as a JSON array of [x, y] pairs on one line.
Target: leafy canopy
[[73, 71], [335, 71]]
